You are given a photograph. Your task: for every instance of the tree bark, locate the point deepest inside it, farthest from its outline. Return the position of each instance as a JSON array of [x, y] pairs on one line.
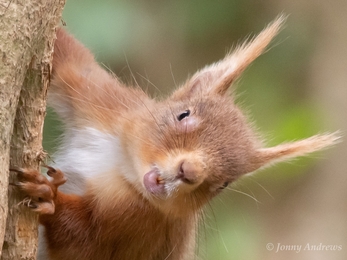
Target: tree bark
[[27, 33]]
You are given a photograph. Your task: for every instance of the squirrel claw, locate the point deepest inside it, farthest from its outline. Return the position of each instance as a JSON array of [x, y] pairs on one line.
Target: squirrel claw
[[57, 175], [32, 206], [50, 171], [41, 192], [17, 169]]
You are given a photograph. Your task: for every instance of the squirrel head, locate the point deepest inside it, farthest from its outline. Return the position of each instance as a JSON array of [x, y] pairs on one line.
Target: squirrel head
[[194, 143]]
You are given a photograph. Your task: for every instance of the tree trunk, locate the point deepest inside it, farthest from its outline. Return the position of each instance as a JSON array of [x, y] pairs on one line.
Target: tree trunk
[[27, 33]]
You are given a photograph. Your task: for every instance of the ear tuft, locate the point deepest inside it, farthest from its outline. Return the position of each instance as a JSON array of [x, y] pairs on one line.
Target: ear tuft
[[218, 77], [282, 152]]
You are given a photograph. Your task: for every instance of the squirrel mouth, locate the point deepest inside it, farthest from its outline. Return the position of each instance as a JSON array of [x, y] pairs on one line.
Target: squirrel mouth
[[153, 182]]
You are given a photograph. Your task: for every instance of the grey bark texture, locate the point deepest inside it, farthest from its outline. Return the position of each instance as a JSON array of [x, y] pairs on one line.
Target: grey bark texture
[[27, 34]]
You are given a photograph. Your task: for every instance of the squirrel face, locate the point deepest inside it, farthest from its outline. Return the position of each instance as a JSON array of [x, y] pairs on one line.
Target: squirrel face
[[190, 150], [189, 147]]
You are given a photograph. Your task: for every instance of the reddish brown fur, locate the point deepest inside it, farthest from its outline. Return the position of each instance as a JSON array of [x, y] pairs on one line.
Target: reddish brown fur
[[87, 88], [120, 217], [76, 231]]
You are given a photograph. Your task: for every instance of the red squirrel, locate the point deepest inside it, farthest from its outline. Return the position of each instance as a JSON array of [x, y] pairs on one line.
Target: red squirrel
[[139, 171]]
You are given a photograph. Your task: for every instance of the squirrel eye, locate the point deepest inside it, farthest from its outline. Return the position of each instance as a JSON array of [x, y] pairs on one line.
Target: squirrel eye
[[183, 115], [225, 184]]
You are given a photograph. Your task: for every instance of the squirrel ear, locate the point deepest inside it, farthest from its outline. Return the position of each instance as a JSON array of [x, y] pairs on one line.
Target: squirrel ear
[[218, 77], [267, 156]]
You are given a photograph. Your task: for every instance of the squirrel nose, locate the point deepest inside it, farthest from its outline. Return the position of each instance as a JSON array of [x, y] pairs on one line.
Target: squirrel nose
[[188, 172]]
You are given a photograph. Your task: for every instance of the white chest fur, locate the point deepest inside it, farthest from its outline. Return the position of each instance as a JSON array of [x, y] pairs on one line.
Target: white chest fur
[[84, 154]]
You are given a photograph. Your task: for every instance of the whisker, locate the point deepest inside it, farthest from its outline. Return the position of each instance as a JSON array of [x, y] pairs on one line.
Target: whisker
[[109, 70], [267, 192], [173, 77], [244, 193], [150, 82], [130, 70], [173, 249]]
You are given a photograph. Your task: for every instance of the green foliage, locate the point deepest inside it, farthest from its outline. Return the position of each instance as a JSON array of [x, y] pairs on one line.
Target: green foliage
[[52, 130]]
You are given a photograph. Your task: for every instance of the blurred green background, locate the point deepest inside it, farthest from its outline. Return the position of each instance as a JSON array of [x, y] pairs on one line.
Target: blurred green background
[[161, 43]]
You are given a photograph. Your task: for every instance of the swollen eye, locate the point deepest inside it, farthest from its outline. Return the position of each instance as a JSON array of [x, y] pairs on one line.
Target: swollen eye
[[183, 115]]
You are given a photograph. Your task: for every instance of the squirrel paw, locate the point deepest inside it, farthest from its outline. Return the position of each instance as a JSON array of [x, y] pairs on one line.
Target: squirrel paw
[[40, 191]]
